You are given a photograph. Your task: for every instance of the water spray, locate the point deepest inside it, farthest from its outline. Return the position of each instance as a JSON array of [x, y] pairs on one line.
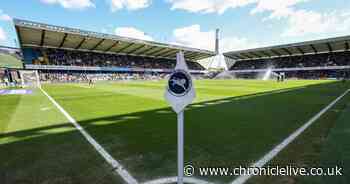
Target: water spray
[[267, 74]]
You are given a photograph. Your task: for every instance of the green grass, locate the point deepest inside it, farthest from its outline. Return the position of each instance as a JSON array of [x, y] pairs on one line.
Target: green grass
[[231, 123], [38, 145], [336, 150], [315, 148], [9, 61]]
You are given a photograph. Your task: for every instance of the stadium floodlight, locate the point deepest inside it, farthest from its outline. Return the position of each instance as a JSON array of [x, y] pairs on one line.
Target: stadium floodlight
[[29, 78], [179, 94]]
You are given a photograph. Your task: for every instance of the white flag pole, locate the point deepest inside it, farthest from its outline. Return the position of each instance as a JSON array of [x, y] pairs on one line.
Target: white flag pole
[[180, 93], [180, 146]]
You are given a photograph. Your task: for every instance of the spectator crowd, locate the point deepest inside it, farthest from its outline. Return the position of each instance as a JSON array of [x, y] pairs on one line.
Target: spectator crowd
[[301, 74], [326, 59], [77, 58], [300, 62], [85, 77]]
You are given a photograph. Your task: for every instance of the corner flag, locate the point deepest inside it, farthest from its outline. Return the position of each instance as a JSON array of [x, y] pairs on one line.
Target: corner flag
[[180, 90], [179, 93]]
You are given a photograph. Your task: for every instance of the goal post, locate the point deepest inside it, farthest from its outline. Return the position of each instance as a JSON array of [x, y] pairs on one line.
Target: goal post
[[30, 78]]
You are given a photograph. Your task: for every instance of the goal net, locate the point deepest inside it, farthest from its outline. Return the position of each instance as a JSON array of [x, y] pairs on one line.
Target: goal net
[[29, 78]]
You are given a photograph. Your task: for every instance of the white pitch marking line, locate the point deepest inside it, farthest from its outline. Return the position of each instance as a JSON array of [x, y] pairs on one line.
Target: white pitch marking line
[[174, 180], [114, 163], [270, 155]]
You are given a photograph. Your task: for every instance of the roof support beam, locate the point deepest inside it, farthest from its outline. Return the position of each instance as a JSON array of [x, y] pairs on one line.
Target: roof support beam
[[238, 56], [265, 53], [276, 52], [157, 51], [193, 56], [287, 51], [114, 44], [246, 55], [145, 51], [330, 49], [81, 43], [233, 57], [196, 58], [63, 40], [300, 50], [187, 53], [99, 43], [42, 38], [171, 53], [137, 48], [163, 54], [314, 49], [126, 47], [199, 58], [347, 46], [255, 54], [190, 54]]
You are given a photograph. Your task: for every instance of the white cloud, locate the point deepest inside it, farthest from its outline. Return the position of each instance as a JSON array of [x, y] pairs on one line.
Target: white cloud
[[299, 22], [208, 6], [129, 4], [277, 8], [235, 43], [132, 33], [304, 22], [3, 36], [192, 36], [72, 4], [4, 17]]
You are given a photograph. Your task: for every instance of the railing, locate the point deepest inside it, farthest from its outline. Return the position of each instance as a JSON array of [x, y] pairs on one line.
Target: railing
[[292, 69], [105, 69]]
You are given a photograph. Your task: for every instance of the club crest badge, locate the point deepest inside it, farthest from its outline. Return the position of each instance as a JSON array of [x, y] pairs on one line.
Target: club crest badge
[[179, 83]]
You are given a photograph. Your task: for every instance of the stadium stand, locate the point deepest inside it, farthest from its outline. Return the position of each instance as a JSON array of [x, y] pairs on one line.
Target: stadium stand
[[62, 54], [319, 60], [57, 49], [68, 54], [328, 58], [60, 57]]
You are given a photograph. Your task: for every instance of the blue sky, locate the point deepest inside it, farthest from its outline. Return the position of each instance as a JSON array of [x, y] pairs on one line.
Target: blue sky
[[243, 23]]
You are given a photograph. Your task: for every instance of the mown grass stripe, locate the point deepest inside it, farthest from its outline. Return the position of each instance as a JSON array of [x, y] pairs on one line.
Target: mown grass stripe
[[114, 163], [270, 155]]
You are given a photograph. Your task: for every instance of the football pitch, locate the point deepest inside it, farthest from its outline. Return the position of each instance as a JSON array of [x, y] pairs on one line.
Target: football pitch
[[231, 123]]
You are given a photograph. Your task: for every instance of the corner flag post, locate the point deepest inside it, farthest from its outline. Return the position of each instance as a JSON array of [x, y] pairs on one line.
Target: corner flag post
[[180, 146], [180, 93]]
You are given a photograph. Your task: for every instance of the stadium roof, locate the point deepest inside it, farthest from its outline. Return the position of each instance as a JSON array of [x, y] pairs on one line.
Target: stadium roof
[[309, 47], [33, 34]]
